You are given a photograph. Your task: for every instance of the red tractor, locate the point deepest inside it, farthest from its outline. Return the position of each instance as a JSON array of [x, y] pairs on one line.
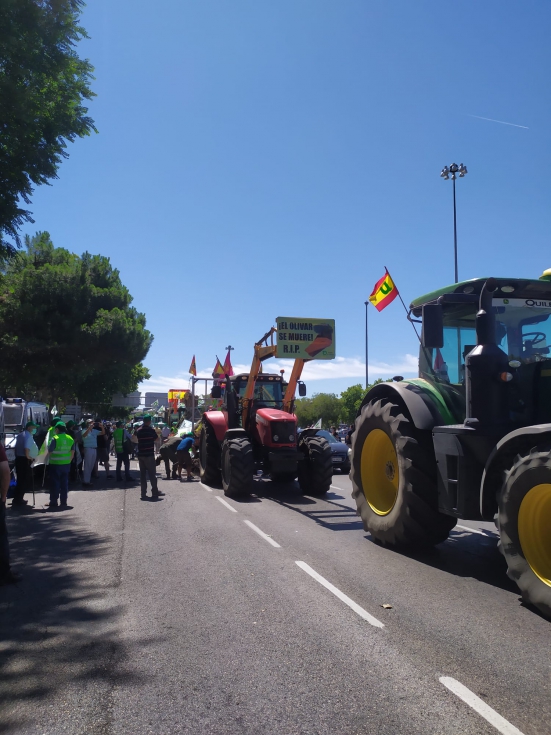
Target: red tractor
[[257, 429]]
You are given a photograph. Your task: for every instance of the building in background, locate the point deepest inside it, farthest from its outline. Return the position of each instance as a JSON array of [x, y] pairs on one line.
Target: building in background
[[161, 398], [132, 400]]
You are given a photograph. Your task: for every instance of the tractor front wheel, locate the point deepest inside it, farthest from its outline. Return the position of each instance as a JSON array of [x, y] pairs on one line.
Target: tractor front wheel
[[237, 467], [524, 523], [394, 479], [315, 471], [209, 456]]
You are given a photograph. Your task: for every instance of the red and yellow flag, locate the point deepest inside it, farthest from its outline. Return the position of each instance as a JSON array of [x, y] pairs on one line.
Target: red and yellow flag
[[218, 369], [193, 367], [384, 292], [228, 370]]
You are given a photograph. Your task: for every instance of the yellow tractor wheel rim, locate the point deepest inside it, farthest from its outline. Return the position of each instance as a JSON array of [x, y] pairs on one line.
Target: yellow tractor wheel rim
[[534, 530], [379, 470]]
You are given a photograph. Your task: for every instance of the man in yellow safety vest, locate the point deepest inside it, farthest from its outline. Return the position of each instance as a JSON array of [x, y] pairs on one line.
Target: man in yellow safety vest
[[61, 451]]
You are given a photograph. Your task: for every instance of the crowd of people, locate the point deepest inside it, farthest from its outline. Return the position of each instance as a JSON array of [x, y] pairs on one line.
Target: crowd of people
[[74, 452]]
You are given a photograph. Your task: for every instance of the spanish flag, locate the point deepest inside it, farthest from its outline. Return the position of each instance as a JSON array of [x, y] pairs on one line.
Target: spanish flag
[[384, 292], [193, 368], [218, 369]]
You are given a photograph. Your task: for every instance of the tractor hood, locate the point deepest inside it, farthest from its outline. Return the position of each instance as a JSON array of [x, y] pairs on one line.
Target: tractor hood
[[267, 415]]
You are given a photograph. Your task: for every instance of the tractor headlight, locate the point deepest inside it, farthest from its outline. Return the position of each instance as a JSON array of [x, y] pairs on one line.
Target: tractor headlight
[[276, 438], [291, 437]]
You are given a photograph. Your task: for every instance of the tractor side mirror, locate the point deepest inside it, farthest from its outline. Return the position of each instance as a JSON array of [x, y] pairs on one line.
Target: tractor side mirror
[[433, 326], [301, 389], [216, 392]]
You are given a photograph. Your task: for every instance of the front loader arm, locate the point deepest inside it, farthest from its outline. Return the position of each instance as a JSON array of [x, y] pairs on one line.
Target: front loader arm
[[292, 385], [262, 351]]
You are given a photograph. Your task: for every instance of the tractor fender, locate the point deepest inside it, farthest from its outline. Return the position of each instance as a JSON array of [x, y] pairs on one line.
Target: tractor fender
[[218, 421], [502, 458], [423, 411]]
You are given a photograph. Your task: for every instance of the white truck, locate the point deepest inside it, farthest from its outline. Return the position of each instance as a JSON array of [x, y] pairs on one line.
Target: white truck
[[16, 412]]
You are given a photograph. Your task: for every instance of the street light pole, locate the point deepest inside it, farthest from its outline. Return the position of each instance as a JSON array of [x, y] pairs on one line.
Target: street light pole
[[454, 169]]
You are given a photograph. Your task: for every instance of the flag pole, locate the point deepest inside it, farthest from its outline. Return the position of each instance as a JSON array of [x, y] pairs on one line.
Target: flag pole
[[366, 352]]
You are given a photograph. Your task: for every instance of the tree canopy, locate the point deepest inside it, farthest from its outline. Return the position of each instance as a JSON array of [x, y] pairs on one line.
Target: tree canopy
[[67, 327], [43, 84]]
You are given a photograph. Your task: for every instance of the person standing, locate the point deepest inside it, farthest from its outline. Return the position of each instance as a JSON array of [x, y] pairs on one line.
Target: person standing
[[75, 432], [25, 453], [6, 574], [61, 451], [90, 443], [349, 435], [102, 449], [120, 439], [165, 433], [147, 436]]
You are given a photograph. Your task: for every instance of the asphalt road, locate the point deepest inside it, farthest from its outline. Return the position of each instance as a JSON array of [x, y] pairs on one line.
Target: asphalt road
[[178, 616]]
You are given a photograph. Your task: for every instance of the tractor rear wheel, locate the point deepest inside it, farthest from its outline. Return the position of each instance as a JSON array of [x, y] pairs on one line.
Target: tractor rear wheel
[[315, 471], [209, 456], [394, 479], [237, 467], [524, 522]]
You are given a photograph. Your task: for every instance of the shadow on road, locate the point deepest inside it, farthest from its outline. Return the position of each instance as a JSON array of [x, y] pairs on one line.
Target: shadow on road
[[465, 554], [336, 517], [59, 627]]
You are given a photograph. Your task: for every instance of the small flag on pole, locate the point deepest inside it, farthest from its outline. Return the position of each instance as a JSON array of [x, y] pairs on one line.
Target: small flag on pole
[[228, 370], [384, 292], [218, 369], [193, 367]]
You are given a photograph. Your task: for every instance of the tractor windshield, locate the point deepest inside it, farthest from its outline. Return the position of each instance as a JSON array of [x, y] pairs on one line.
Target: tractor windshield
[[523, 332], [265, 392]]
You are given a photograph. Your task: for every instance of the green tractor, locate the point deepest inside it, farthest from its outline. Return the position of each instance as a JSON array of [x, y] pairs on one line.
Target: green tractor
[[471, 436]]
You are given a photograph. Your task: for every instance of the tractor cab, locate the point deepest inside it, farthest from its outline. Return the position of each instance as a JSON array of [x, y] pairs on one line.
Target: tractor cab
[[522, 312]]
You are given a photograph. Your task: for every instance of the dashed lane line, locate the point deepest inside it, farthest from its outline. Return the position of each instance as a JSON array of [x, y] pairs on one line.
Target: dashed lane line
[[344, 598], [206, 487], [225, 503], [265, 536], [484, 710]]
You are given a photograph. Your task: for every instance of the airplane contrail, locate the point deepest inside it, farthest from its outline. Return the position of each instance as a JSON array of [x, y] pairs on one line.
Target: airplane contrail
[[502, 122]]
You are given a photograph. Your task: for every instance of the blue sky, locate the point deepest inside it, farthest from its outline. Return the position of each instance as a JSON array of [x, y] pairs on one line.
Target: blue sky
[[263, 158]]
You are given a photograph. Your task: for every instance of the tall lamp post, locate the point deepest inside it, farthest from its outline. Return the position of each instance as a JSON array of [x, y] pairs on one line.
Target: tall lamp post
[[447, 172]]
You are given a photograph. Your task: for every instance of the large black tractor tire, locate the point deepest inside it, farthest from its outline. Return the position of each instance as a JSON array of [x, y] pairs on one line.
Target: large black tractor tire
[[209, 457], [524, 523], [315, 471], [394, 479], [237, 467]]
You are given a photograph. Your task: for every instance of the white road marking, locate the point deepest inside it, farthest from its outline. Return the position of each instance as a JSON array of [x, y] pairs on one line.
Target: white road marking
[[347, 601], [264, 535], [489, 714], [472, 530], [206, 487], [225, 503]]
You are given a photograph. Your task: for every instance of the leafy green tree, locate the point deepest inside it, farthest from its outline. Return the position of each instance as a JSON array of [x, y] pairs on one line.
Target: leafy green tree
[[43, 84], [351, 399], [67, 327], [324, 406]]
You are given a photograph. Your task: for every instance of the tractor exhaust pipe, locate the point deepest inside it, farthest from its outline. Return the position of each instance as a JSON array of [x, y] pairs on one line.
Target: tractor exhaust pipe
[[485, 391]]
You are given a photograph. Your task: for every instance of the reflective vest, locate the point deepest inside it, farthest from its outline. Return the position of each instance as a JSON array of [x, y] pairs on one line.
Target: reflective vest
[[118, 436], [63, 448]]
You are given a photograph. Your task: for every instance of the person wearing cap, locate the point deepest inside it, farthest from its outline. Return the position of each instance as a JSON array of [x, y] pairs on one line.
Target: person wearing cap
[[90, 443], [25, 453], [120, 439], [61, 451], [147, 436]]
